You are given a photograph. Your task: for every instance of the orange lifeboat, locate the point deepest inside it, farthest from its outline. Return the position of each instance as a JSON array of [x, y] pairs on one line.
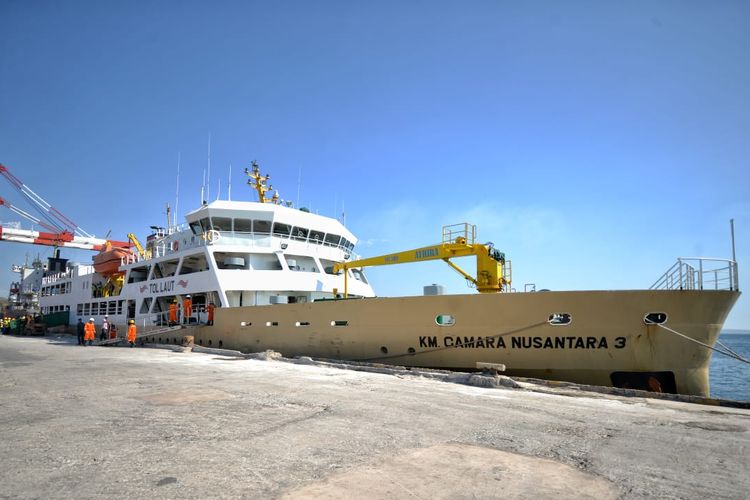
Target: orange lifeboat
[[107, 262]]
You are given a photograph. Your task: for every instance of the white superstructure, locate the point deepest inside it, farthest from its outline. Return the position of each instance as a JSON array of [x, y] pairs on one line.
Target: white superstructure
[[230, 253]]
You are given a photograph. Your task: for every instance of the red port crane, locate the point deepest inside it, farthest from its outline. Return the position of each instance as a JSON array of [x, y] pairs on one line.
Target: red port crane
[[61, 231]]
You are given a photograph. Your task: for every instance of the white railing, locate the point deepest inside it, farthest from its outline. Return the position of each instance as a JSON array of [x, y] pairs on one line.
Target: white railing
[[699, 273]]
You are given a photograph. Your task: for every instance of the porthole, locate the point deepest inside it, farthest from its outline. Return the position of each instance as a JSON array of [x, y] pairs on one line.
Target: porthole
[[272, 323], [245, 323], [559, 319], [302, 323], [655, 318], [384, 349], [339, 323], [412, 350], [445, 320]]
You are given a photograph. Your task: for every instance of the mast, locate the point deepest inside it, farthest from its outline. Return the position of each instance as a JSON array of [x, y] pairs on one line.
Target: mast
[[177, 193], [208, 176]]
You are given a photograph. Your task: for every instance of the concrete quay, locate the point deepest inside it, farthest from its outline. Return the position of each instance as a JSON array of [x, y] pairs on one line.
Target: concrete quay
[[94, 422]]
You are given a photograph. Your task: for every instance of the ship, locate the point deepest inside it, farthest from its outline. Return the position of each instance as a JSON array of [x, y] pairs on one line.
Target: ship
[[265, 275]]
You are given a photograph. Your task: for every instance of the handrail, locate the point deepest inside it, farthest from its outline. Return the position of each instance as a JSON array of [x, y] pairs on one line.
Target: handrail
[[699, 273]]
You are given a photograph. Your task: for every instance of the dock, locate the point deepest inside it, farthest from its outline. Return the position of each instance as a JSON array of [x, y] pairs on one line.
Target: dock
[[83, 422]]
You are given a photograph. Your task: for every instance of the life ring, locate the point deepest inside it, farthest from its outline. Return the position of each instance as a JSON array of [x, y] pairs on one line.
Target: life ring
[[213, 235]]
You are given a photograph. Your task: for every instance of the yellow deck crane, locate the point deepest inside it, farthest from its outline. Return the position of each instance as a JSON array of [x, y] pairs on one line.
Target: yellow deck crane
[[137, 245], [493, 271]]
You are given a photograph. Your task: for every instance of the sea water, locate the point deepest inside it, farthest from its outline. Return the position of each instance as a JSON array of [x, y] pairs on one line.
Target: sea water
[[730, 378]]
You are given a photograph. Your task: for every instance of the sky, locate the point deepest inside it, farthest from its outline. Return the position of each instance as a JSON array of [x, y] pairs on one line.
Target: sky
[[593, 142]]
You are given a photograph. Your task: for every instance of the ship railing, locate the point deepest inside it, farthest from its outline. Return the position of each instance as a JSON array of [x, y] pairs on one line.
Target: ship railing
[[52, 278], [699, 273], [463, 230]]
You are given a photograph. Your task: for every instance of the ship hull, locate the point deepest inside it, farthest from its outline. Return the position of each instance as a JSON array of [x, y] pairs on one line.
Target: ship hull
[[605, 343]]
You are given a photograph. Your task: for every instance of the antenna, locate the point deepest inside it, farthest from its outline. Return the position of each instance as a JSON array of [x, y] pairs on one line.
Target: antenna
[[343, 213], [203, 187], [208, 177], [299, 184], [229, 184], [218, 190], [177, 193]]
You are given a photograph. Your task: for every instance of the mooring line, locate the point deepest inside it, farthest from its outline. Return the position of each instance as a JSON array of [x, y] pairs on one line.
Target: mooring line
[[728, 351]]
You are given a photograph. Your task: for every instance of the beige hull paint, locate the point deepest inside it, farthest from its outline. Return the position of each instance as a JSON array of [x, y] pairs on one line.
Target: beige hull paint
[[399, 325]]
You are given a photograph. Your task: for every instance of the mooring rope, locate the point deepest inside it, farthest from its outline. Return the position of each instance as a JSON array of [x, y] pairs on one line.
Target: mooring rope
[[427, 351], [728, 351]]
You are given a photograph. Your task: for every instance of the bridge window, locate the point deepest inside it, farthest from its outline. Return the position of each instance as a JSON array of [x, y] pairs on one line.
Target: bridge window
[[222, 223], [332, 240], [300, 233], [262, 226], [316, 236], [243, 226], [280, 229]]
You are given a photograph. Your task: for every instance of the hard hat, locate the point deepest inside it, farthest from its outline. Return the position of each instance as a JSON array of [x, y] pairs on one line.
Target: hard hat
[[188, 295], [91, 319], [131, 321]]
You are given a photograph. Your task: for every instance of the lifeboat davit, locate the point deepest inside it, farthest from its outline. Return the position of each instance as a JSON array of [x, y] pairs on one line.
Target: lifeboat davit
[[107, 262]]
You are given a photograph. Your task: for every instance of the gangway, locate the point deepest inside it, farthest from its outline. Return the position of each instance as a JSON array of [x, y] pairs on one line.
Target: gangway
[[151, 333]]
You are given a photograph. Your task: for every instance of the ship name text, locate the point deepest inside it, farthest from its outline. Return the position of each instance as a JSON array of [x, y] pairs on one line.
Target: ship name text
[[164, 286], [522, 342]]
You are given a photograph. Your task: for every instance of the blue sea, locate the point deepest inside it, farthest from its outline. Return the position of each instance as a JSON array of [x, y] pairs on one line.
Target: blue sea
[[730, 378]]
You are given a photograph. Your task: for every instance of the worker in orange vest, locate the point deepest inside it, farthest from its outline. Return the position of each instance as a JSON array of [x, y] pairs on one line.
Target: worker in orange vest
[[89, 332], [131, 333], [210, 314], [187, 309], [173, 312]]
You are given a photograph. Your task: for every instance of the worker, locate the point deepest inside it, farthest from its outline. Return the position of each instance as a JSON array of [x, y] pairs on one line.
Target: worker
[[187, 309], [210, 314], [173, 312], [81, 330], [89, 332], [105, 329], [131, 333]]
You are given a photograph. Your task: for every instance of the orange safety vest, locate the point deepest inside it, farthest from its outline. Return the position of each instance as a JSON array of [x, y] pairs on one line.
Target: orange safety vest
[[210, 312], [89, 331], [131, 333], [187, 307], [173, 312]]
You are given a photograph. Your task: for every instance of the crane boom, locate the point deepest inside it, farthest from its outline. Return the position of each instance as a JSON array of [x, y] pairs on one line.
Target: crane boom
[[492, 275], [64, 239], [55, 220]]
